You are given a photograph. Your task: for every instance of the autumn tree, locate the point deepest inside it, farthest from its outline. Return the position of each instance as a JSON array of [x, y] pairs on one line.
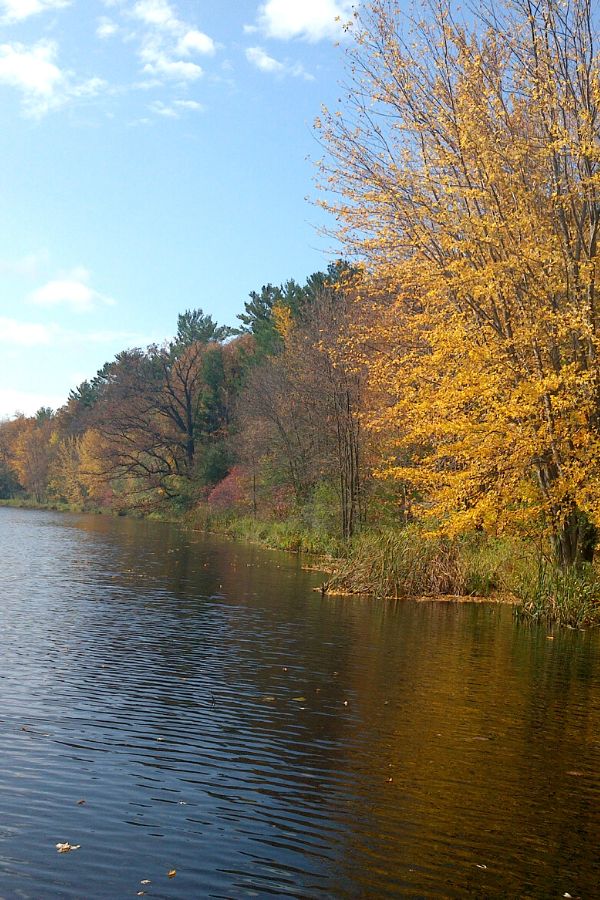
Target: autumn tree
[[65, 479], [160, 415], [32, 452], [334, 387], [299, 412], [464, 172], [9, 479]]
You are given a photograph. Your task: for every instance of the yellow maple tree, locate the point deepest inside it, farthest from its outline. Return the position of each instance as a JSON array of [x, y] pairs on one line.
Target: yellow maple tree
[[464, 171]]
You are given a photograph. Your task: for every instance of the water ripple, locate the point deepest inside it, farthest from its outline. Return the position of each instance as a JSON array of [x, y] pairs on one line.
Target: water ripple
[[171, 702]]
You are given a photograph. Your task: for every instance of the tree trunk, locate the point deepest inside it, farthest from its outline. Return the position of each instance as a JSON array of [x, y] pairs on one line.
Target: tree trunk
[[575, 540]]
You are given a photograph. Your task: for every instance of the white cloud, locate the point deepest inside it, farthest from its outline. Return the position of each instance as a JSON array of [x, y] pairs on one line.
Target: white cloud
[[12, 11], [174, 110], [194, 41], [259, 58], [312, 20], [31, 69], [158, 62], [34, 72], [91, 87], [189, 104], [167, 42], [106, 27], [158, 13], [25, 334], [72, 291], [162, 109], [262, 60]]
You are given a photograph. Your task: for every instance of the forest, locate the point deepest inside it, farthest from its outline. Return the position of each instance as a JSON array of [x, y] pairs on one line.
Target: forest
[[428, 410], [261, 419]]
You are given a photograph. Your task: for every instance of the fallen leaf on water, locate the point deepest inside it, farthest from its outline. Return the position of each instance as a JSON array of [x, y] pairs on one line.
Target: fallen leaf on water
[[480, 866], [299, 699], [268, 699], [145, 881], [172, 873], [80, 802], [575, 773], [66, 847]]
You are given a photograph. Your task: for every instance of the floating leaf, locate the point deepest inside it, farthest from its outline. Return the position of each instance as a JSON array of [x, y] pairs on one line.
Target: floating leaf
[[66, 847], [145, 881], [299, 699], [172, 873]]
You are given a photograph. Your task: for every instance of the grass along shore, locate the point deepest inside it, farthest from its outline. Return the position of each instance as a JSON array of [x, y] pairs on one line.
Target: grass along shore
[[410, 562]]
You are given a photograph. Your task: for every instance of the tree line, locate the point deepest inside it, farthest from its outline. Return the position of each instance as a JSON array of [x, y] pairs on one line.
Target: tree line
[[261, 419]]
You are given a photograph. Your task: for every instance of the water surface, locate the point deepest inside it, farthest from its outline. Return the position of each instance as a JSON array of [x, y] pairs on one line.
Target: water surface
[[221, 719]]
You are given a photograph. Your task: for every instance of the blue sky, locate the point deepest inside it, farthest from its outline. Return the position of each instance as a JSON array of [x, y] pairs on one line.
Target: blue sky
[[154, 158]]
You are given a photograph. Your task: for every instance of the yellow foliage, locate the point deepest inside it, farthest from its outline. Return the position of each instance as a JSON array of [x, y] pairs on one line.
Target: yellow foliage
[[466, 172], [284, 321]]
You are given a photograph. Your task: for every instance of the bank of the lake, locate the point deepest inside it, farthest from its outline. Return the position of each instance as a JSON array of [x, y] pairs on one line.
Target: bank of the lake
[[412, 561]]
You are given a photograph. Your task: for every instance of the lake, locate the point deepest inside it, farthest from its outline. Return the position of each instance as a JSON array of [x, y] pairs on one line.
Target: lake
[[178, 703]]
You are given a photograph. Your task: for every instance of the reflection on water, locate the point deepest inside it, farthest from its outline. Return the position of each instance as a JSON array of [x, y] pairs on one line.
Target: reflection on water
[[218, 717]]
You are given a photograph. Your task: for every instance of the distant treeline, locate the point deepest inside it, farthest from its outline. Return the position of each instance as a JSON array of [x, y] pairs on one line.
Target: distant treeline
[[263, 419]]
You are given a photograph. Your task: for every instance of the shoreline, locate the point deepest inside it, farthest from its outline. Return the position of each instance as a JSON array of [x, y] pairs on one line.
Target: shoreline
[[239, 529]]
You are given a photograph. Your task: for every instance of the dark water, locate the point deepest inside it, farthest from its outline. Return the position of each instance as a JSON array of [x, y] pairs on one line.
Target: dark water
[[221, 719]]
